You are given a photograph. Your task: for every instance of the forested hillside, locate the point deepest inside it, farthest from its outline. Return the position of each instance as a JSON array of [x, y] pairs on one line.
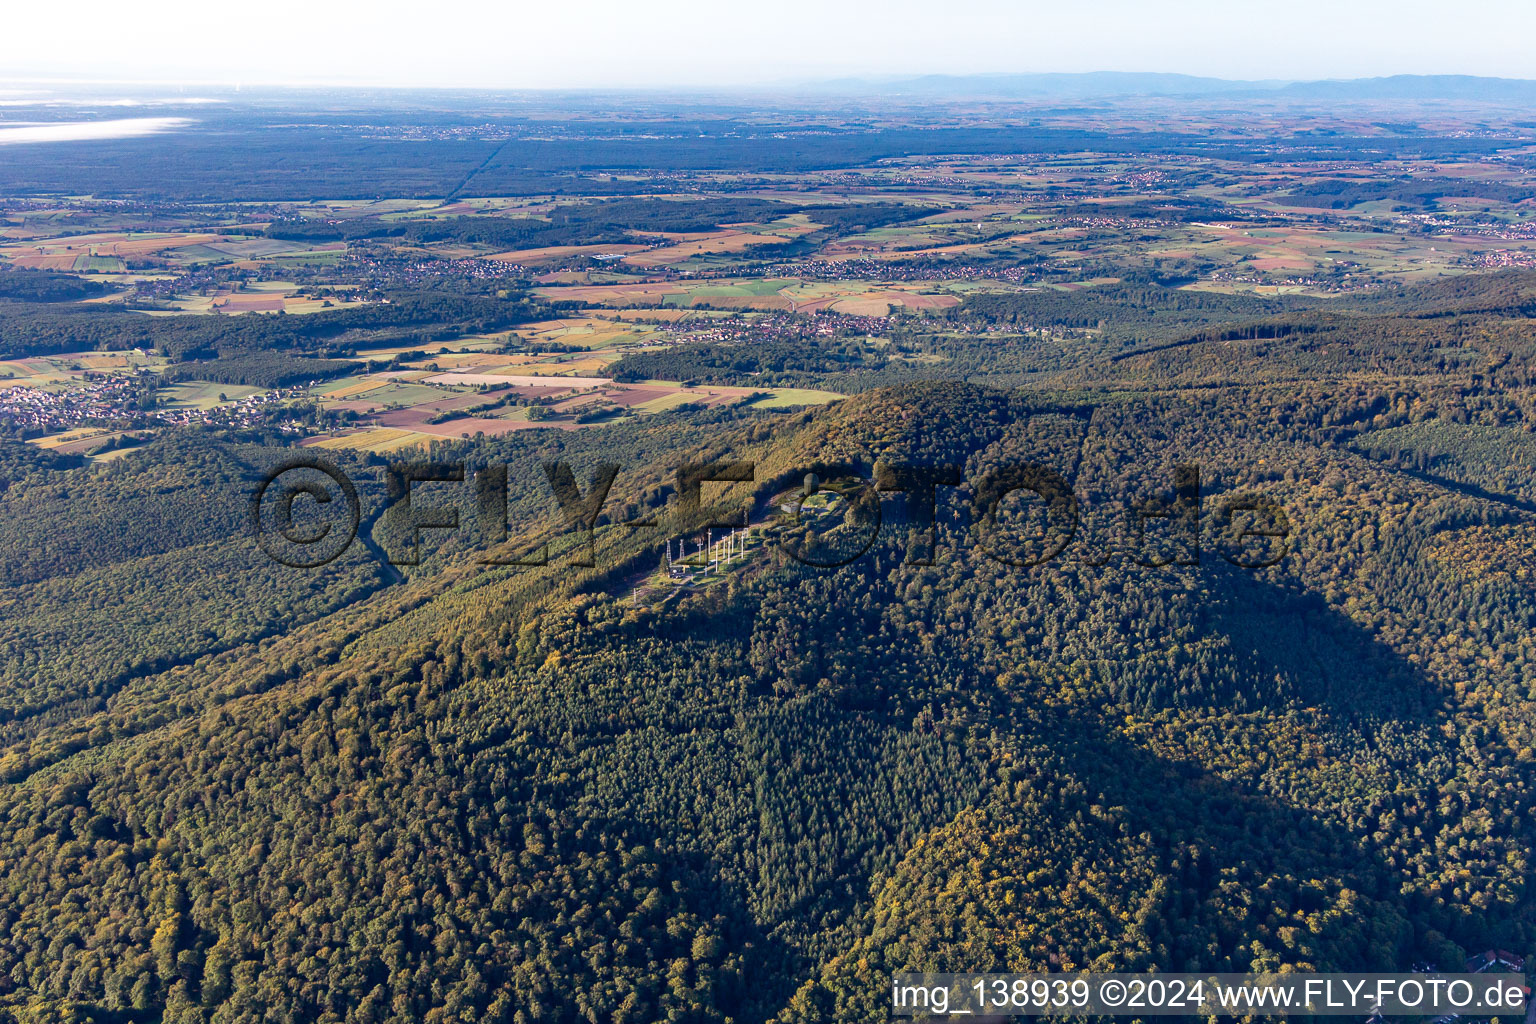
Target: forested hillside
[[476, 793], [410, 318]]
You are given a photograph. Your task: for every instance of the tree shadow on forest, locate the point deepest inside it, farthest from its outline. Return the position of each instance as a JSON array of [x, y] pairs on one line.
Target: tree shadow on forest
[[1222, 832], [1217, 830], [1316, 654], [772, 969]]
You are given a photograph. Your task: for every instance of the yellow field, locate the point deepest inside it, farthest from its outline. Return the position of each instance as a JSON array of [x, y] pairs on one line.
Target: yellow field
[[715, 242], [471, 343], [863, 306], [577, 366], [103, 360], [666, 402], [77, 434], [35, 252], [560, 252], [873, 250], [585, 332], [653, 314], [362, 387], [379, 439], [653, 293]]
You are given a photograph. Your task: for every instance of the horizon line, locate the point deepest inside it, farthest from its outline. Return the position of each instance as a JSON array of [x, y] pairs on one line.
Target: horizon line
[[763, 86]]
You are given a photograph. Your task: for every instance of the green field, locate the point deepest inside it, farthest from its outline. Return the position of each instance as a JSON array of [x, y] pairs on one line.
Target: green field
[[410, 394], [666, 402], [204, 394], [785, 398], [104, 264]]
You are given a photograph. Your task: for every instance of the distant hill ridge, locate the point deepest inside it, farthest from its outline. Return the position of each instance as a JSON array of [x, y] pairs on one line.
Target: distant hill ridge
[[1122, 83]]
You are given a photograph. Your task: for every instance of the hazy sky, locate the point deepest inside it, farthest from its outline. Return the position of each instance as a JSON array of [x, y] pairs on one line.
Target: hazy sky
[[600, 43]]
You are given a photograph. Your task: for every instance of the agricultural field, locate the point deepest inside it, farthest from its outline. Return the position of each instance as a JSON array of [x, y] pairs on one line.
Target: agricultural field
[[588, 333], [680, 249], [255, 297], [789, 398], [66, 252], [75, 439], [398, 409], [379, 440], [639, 321], [787, 294], [203, 394]]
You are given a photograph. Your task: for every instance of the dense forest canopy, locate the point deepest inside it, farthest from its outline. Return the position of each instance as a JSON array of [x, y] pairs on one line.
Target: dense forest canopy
[[27, 330], [46, 286]]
